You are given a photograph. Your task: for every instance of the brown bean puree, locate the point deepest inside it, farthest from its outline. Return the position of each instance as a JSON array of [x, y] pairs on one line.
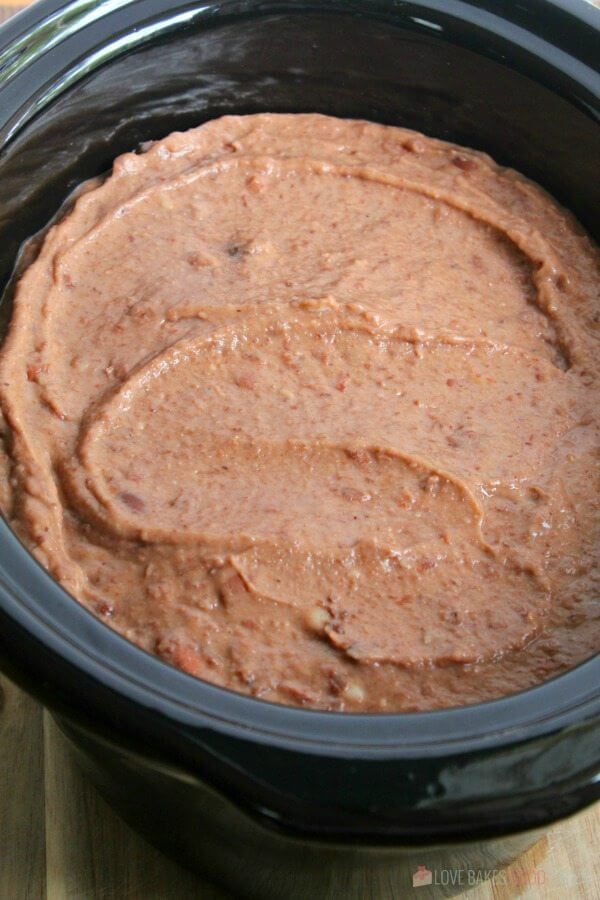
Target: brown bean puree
[[308, 407]]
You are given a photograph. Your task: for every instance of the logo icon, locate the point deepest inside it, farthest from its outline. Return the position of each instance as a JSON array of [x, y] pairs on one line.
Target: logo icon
[[422, 877]]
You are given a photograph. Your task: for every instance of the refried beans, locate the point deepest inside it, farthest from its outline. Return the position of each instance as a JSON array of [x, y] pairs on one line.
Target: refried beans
[[308, 408]]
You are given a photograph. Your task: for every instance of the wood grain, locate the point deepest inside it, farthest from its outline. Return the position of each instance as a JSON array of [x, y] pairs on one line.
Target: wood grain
[[22, 833], [90, 852]]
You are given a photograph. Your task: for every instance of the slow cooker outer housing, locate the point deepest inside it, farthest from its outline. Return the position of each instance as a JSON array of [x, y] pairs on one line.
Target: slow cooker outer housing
[[81, 83]]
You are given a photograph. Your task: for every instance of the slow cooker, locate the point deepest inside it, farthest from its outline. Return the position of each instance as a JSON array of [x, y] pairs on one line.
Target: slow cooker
[[268, 800]]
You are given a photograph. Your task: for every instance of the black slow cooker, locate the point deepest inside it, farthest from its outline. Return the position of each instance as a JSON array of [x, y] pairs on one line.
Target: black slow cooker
[[274, 801]]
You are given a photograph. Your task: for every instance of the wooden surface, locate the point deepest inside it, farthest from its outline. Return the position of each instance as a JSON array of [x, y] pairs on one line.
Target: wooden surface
[[60, 841]]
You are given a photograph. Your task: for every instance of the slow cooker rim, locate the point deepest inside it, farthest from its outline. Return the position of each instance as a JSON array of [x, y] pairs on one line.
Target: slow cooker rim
[[537, 46], [571, 695]]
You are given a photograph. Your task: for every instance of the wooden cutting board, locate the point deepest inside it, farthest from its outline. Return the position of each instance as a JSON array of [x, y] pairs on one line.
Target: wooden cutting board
[[60, 841]]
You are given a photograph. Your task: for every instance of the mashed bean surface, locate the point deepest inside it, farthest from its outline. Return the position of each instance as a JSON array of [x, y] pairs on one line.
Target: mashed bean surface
[[309, 408]]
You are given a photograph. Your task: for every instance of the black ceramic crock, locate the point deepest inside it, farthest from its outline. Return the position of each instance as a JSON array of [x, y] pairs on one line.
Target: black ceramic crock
[[274, 801]]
